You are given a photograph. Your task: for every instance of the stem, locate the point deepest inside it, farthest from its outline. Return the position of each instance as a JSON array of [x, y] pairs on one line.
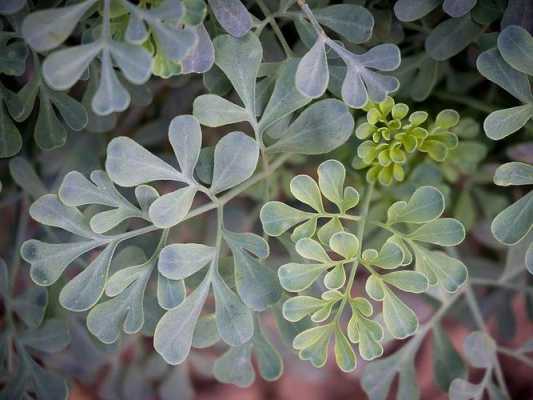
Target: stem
[[467, 101], [218, 243], [10, 328], [341, 216], [478, 318], [132, 234], [266, 167], [387, 228], [484, 383], [311, 17], [490, 282], [254, 179], [161, 244], [520, 357], [288, 5], [106, 18], [237, 190], [275, 28], [416, 341], [360, 234], [441, 312], [20, 236], [415, 27]]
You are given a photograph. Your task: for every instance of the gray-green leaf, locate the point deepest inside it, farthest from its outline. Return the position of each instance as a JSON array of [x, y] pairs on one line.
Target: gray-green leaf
[[513, 223], [234, 320], [516, 46], [181, 260], [236, 156], [319, 129], [451, 37], [424, 205], [240, 59], [174, 331]]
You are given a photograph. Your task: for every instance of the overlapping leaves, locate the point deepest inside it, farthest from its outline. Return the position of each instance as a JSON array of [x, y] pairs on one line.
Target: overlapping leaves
[[513, 224], [309, 133], [480, 351], [45, 30], [413, 224], [361, 82], [30, 336], [114, 210], [124, 278], [509, 66], [12, 63]]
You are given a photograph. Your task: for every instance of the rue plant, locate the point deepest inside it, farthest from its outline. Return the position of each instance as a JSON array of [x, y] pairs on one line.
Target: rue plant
[[213, 186]]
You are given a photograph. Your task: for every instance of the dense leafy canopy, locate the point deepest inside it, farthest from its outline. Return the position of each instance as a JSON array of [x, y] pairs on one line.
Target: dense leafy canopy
[[199, 165]]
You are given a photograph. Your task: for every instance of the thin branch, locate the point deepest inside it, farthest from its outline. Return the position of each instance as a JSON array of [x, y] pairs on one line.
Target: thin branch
[[516, 355], [311, 17], [467, 101], [355, 264], [478, 318], [505, 285], [275, 27], [20, 237]]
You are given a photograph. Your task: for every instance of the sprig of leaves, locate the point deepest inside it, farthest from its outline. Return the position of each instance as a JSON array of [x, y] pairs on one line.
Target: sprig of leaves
[[12, 63], [509, 67], [480, 351], [338, 247], [308, 133], [361, 83]]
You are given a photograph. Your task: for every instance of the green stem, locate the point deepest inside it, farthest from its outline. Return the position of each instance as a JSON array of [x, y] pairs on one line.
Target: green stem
[[213, 269], [516, 355], [275, 28], [435, 318], [311, 17], [288, 4], [236, 191], [387, 228], [360, 234], [416, 341], [21, 236], [161, 244], [131, 234], [490, 282], [10, 327], [484, 383], [255, 179], [478, 318], [266, 169], [467, 101], [106, 18], [341, 216], [415, 27]]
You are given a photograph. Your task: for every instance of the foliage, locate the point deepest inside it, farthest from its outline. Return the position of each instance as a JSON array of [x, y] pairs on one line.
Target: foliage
[[508, 66], [199, 167], [422, 209], [393, 140], [29, 336]]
